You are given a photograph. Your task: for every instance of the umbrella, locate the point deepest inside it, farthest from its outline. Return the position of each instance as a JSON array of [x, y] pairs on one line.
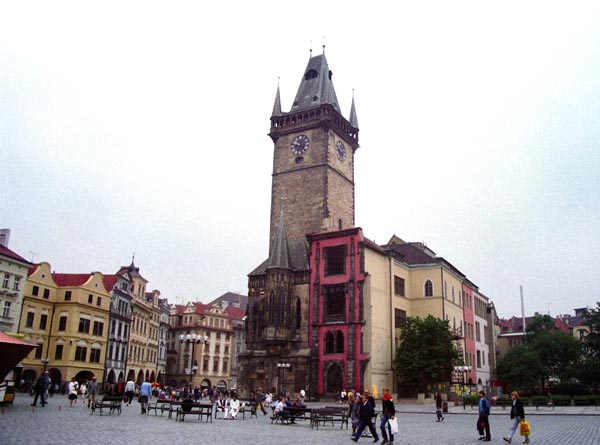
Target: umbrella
[[12, 351]]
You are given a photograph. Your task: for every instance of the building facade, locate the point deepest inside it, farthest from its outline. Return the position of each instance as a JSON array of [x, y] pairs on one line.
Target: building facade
[[13, 273]]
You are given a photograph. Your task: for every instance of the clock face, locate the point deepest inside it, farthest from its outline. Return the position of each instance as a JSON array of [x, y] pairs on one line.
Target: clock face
[[300, 144], [340, 150]]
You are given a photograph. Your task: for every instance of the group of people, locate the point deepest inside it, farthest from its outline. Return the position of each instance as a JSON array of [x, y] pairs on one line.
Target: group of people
[[517, 415], [229, 407], [362, 411]]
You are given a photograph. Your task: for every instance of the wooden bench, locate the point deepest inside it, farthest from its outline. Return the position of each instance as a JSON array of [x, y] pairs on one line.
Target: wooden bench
[[328, 414], [161, 405], [195, 409], [174, 405], [291, 414], [112, 403]]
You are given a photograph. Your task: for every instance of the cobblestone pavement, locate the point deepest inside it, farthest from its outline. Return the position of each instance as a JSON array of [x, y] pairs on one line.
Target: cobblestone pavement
[[57, 423]]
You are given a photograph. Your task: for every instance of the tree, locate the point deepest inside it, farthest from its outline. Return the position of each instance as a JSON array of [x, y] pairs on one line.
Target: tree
[[520, 368], [559, 354], [590, 369], [426, 353], [540, 323]]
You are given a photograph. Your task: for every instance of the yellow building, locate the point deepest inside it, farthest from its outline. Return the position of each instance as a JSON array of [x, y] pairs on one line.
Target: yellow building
[[67, 316]]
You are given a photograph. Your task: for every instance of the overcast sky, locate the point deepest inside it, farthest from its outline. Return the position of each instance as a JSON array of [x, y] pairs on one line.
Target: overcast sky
[[142, 127]]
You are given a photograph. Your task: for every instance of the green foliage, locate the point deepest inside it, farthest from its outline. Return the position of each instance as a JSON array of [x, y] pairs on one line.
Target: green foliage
[[520, 368], [426, 354], [559, 354], [540, 323], [592, 340]]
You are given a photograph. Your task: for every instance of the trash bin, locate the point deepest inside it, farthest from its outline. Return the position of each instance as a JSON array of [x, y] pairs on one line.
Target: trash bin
[[444, 407]]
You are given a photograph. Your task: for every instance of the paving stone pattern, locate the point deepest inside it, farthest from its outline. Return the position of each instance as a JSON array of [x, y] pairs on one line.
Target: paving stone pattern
[[57, 423]]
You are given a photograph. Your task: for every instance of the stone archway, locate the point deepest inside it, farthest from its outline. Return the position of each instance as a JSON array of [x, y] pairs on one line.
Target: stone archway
[[110, 378], [140, 378], [334, 381]]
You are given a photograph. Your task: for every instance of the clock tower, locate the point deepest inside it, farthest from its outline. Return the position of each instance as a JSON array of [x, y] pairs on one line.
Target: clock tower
[[312, 193], [313, 163]]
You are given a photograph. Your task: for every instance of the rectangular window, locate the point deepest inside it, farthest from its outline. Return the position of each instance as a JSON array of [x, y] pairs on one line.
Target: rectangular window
[[6, 309], [58, 352], [84, 325], [98, 301], [35, 291], [205, 364], [98, 328], [68, 295], [399, 286], [95, 355], [477, 335], [335, 302], [16, 283], [399, 318], [216, 365], [90, 298], [46, 293], [5, 281], [43, 321], [80, 353], [62, 323], [335, 260], [479, 359], [38, 351], [30, 318]]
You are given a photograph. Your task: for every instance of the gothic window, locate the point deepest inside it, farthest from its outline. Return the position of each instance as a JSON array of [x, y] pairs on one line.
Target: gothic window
[[428, 288], [298, 314], [339, 342], [335, 378], [329, 343], [335, 260], [270, 307], [334, 302]]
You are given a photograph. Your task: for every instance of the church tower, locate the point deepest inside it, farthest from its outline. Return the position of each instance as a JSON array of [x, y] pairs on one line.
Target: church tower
[[312, 192], [313, 163]]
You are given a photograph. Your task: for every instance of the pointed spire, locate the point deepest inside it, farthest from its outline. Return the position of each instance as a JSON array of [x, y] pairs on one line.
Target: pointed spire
[[277, 104], [280, 253], [353, 118], [316, 87]]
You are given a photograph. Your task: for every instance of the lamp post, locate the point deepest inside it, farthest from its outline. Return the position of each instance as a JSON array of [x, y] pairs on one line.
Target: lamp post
[[192, 339], [45, 362], [463, 370], [283, 367]]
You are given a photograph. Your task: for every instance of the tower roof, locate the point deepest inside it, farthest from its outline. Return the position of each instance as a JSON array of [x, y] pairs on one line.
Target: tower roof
[[316, 86], [353, 118], [277, 104], [280, 254]]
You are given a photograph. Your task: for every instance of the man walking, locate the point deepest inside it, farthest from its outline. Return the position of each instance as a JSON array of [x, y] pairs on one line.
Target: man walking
[[365, 415], [41, 386], [483, 422], [92, 391], [145, 394], [388, 412], [129, 391]]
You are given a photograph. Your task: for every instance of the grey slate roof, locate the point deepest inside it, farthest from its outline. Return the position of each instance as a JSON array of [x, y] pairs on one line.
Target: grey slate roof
[[280, 253], [316, 86], [298, 249]]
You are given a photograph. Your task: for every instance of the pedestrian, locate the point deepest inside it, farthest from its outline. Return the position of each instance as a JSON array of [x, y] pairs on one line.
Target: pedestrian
[[517, 414], [92, 391], [145, 394], [483, 422], [366, 413], [234, 407], [438, 407], [40, 388], [355, 412], [388, 411], [302, 395], [261, 400], [129, 391], [73, 389]]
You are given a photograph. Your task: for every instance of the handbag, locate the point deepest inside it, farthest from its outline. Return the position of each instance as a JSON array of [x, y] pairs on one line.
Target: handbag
[[525, 428], [393, 425]]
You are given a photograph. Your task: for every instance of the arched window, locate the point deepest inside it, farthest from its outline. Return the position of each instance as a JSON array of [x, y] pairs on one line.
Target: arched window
[[329, 343], [339, 342], [428, 288], [311, 74]]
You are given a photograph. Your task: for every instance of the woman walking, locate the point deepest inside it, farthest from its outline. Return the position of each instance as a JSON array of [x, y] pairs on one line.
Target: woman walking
[[517, 414]]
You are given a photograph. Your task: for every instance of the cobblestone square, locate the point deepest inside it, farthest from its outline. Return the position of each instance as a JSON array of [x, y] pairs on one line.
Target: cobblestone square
[[57, 423]]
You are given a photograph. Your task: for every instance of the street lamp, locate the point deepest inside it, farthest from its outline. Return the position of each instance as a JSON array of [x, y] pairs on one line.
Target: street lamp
[[463, 370], [192, 339], [45, 362], [283, 367]]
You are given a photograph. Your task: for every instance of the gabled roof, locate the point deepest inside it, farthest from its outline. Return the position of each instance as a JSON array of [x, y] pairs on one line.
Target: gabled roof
[[5, 251], [316, 86], [71, 279]]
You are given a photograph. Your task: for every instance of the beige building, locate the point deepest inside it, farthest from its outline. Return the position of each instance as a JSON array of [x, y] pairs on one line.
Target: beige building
[[67, 316]]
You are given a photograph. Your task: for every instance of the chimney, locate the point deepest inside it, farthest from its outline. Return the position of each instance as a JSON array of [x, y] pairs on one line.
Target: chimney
[[4, 237]]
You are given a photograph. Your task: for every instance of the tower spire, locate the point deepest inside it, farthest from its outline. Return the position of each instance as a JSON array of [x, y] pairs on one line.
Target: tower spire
[[280, 253], [353, 118], [277, 104]]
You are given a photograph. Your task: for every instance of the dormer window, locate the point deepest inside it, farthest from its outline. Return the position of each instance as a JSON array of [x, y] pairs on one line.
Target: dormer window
[[311, 74]]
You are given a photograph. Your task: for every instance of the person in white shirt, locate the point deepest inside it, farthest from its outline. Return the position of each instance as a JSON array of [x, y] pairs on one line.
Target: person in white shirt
[[129, 391], [234, 407]]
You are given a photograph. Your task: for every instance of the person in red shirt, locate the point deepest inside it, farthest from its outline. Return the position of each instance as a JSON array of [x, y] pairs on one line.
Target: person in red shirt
[[388, 411]]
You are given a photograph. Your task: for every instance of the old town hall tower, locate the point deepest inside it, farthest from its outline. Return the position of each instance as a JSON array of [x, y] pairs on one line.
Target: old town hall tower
[[312, 192]]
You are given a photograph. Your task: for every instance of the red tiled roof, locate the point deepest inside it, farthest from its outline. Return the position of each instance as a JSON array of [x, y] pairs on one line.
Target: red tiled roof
[[110, 281], [9, 253], [235, 312], [71, 279]]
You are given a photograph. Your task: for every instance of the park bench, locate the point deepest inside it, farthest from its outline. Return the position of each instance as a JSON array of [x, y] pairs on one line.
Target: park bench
[[327, 414], [194, 409], [174, 405], [161, 405], [112, 403]]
